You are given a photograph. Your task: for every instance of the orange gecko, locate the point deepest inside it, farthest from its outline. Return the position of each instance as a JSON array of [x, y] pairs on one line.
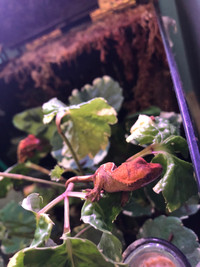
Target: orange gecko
[[129, 176]]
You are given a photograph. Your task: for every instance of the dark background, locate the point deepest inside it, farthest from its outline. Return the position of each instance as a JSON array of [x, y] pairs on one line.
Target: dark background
[[23, 20]]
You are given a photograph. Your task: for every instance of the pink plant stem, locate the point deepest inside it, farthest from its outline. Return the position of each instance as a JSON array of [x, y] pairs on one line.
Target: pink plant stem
[[51, 204], [151, 149], [29, 178], [34, 166], [68, 193], [64, 196], [76, 194], [56, 200], [66, 228], [66, 209]]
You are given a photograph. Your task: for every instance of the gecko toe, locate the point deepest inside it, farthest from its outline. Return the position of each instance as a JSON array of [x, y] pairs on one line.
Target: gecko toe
[[93, 195]]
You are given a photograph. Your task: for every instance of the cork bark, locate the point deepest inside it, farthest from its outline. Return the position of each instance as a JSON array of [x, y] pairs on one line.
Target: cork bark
[[125, 45]]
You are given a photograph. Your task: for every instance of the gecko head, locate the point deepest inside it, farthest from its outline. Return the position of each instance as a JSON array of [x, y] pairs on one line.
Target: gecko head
[[153, 170]]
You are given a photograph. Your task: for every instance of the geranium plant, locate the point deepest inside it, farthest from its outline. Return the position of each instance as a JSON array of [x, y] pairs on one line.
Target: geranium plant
[[80, 138]]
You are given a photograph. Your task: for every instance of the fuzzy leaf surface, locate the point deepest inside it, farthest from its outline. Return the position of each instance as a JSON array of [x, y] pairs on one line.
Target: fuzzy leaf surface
[[104, 87], [155, 131]]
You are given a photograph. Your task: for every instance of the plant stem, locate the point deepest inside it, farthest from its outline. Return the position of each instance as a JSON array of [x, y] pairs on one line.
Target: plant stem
[[83, 231], [70, 252], [56, 200], [146, 151], [149, 199], [51, 204], [37, 167], [29, 178], [65, 139], [66, 227], [68, 193], [76, 194]]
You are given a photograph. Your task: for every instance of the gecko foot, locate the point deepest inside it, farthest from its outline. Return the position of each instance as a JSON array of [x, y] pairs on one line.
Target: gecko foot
[[93, 195]]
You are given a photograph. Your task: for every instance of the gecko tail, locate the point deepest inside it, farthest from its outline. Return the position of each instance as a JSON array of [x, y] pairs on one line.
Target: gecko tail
[[82, 179]]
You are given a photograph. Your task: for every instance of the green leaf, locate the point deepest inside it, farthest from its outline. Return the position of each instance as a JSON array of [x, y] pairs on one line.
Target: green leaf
[[177, 184], [56, 173], [101, 214], [88, 232], [43, 230], [43, 222], [32, 202], [20, 226], [85, 125], [31, 121], [104, 87], [88, 127], [111, 247], [19, 168], [151, 111], [172, 117], [189, 208], [2, 231], [176, 144], [167, 227], [165, 128], [51, 108], [5, 186], [86, 162], [149, 131], [46, 193], [138, 205], [57, 145], [73, 252], [157, 200], [1, 262]]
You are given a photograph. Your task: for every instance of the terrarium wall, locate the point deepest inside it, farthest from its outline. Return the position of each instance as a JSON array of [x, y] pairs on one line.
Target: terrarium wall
[[125, 45]]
